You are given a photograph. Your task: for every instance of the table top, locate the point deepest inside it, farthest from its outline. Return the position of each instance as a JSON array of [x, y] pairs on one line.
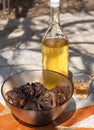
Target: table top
[[21, 51]]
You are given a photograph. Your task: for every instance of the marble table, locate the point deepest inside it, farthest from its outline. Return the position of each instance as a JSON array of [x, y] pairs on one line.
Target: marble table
[[20, 49]]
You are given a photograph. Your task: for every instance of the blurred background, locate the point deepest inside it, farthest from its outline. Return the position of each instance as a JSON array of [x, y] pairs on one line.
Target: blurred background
[[31, 8]]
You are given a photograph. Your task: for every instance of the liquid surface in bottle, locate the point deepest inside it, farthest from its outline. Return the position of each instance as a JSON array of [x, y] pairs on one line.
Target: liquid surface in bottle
[[55, 55]]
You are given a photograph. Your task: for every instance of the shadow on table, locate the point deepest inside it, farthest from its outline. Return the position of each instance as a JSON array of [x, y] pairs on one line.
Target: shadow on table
[[26, 34]]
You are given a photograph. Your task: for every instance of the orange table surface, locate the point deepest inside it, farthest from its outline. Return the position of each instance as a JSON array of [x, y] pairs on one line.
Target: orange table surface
[[67, 119]]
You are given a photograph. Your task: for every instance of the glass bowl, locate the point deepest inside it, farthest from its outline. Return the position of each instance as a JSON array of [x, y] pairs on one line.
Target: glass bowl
[[49, 79]]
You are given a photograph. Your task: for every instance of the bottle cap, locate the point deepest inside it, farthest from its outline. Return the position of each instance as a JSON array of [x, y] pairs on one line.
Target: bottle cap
[[54, 3]]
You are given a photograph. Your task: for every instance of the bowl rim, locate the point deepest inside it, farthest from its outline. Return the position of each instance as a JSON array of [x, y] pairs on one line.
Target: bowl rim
[[36, 70]]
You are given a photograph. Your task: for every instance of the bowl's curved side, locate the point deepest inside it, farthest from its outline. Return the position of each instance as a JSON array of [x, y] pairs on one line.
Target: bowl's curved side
[[36, 118]]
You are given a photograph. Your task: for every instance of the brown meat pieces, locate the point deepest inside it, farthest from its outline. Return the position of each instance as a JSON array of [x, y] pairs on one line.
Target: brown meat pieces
[[46, 100], [38, 89], [15, 98], [30, 105], [25, 96], [62, 93], [26, 89], [35, 96]]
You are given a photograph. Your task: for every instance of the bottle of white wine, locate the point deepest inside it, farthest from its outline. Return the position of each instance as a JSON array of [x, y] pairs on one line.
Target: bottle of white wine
[[55, 48]]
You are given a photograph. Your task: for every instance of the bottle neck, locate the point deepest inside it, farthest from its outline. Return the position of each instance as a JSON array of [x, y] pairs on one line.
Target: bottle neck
[[54, 19]]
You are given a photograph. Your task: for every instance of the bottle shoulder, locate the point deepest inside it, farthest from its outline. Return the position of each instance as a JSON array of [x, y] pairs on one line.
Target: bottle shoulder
[[55, 42], [54, 31]]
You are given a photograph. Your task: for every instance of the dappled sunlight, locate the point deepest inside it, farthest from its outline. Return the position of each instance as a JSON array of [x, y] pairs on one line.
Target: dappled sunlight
[[19, 33], [1, 78], [76, 62], [22, 40], [16, 33]]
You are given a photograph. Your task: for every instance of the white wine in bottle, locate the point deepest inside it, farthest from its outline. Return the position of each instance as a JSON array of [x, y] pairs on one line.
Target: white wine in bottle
[[55, 48]]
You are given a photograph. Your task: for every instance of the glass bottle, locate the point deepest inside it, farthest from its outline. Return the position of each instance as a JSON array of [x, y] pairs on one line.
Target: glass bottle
[[54, 43]]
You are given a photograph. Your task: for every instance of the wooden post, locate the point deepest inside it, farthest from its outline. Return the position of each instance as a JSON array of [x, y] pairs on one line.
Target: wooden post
[[6, 4]]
